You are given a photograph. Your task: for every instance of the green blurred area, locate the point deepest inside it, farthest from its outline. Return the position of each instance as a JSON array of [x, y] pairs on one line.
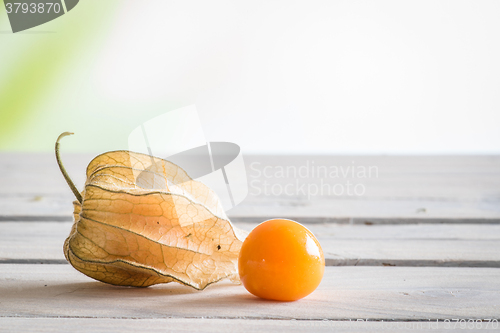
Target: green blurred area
[[37, 70]]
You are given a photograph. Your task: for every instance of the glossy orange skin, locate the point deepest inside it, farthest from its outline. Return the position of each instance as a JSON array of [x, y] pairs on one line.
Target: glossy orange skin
[[281, 260]]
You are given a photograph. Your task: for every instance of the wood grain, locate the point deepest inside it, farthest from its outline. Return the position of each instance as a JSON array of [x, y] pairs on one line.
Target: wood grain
[[405, 189], [376, 293], [210, 325], [344, 245]]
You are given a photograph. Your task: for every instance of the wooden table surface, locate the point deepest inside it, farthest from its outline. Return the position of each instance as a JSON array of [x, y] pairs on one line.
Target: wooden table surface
[[418, 249]]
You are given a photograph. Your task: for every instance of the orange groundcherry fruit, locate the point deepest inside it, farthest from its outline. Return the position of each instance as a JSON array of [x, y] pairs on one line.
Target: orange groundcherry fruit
[[281, 260]]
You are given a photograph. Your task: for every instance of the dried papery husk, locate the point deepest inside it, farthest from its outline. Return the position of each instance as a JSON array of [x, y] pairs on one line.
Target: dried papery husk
[[142, 221]]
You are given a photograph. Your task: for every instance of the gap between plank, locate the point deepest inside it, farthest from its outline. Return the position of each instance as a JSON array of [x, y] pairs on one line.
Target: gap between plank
[[353, 320], [305, 220], [328, 262]]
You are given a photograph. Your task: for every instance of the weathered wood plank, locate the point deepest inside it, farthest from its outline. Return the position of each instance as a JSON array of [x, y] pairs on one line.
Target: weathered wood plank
[[387, 211], [350, 245], [195, 325], [33, 173], [404, 189], [375, 293]]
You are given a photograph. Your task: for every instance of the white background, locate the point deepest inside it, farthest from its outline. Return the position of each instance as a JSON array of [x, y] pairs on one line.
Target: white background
[[300, 77]]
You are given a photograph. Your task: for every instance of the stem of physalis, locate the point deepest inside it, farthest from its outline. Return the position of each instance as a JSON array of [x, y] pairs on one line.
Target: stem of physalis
[[63, 170]]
